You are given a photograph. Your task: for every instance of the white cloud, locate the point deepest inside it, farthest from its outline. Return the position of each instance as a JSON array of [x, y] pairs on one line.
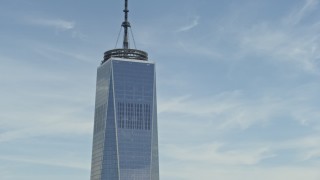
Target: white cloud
[[297, 16], [53, 53], [307, 147], [42, 101], [225, 110], [59, 24], [35, 113], [191, 171], [218, 161], [285, 40], [235, 109], [188, 104], [38, 129], [194, 49], [212, 154], [190, 26], [49, 161], [299, 47]]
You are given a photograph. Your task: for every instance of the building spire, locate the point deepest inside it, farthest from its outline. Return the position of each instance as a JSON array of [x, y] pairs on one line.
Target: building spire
[[125, 26], [125, 52]]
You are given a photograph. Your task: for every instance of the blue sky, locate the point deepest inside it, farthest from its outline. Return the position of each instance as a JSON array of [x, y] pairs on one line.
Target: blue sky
[[238, 86]]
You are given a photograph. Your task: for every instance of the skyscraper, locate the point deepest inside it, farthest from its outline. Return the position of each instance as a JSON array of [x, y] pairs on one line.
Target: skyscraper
[[125, 139]]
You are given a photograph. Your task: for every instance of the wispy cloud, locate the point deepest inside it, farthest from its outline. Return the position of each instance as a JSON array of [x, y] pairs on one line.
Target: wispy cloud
[[58, 128], [209, 161], [57, 103], [48, 162], [59, 24], [191, 171], [299, 47], [235, 109], [190, 26], [297, 16], [284, 40], [53, 52], [196, 50], [211, 154], [307, 148]]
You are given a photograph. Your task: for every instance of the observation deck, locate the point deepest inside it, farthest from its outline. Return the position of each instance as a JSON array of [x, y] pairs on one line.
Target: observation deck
[[125, 54]]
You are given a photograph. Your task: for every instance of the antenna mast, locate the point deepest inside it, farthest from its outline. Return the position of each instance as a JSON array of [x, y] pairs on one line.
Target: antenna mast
[[125, 26], [125, 52]]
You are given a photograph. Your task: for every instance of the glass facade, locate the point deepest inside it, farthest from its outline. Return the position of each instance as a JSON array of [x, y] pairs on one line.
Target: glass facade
[[125, 142]]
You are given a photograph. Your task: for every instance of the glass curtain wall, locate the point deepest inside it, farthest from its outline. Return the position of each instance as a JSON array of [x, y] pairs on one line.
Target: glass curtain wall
[[125, 144]]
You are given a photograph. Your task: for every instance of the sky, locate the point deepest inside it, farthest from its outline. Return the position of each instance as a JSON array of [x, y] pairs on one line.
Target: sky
[[238, 85]]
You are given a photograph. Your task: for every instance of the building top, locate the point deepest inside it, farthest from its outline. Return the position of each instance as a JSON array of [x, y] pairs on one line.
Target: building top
[[125, 52]]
